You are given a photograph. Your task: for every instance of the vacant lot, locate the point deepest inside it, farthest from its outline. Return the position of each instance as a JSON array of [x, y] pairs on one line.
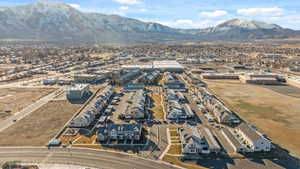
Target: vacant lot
[[275, 111], [13, 100], [40, 126]]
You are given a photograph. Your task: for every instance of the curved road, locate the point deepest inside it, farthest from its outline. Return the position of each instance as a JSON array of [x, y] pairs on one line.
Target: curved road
[[83, 157]]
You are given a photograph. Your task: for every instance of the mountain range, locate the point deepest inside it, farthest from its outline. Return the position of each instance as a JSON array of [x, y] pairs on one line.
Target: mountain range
[[58, 22]]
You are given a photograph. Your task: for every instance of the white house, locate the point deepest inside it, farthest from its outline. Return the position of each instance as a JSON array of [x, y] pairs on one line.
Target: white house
[[253, 139], [193, 142]]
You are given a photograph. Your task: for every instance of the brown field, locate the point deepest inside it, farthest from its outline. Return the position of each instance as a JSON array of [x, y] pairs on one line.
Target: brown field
[[158, 109], [15, 99], [102, 55], [40, 126], [276, 113], [176, 161]]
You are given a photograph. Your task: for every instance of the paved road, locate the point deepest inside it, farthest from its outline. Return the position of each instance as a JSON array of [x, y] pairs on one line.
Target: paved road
[[27, 110], [84, 157], [20, 83]]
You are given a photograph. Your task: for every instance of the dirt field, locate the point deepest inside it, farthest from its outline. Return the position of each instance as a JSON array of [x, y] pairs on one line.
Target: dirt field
[[40, 126], [275, 111], [13, 100]]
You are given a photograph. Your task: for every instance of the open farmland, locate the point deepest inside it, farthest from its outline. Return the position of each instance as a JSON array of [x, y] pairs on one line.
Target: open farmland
[[13, 100], [40, 126], [271, 111]]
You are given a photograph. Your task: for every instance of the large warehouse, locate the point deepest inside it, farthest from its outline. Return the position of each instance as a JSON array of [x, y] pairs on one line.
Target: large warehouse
[[167, 65]]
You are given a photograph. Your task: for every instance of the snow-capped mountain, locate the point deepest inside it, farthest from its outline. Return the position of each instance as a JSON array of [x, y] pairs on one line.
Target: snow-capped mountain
[[243, 30], [244, 24], [59, 22]]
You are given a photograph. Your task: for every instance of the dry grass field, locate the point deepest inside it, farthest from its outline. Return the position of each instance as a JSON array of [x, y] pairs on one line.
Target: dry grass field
[[275, 112], [176, 161], [15, 99], [175, 149], [85, 140], [158, 109], [102, 55], [40, 126]]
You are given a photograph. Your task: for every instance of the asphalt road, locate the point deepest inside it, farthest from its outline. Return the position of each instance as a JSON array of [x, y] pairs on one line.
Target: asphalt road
[[83, 157]]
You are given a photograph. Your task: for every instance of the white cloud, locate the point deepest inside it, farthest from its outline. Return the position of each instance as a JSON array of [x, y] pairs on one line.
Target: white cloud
[[143, 10], [75, 5], [275, 11], [184, 21], [129, 2], [124, 8], [214, 14], [187, 23]]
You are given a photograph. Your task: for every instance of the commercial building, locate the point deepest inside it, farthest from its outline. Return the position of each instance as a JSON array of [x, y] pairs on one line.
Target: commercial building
[[164, 66], [268, 56], [77, 91], [229, 76], [260, 78], [119, 132], [169, 66]]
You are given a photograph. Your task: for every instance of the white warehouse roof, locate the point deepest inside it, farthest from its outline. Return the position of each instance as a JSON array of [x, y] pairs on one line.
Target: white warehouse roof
[[167, 64]]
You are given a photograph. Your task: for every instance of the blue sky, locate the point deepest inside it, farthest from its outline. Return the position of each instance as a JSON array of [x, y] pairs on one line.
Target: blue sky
[[191, 13]]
